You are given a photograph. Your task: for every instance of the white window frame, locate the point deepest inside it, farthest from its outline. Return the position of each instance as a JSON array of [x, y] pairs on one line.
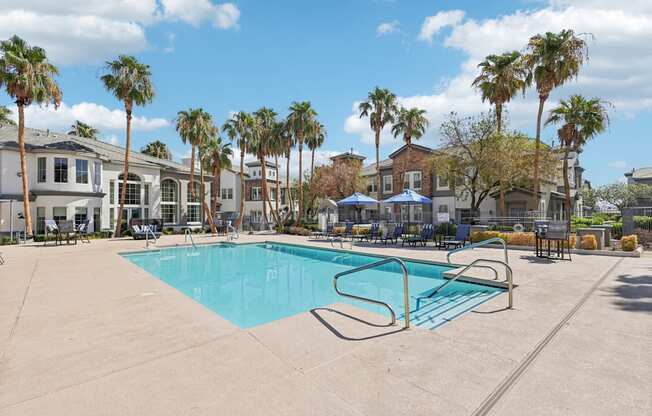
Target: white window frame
[[388, 180], [409, 180], [256, 193]]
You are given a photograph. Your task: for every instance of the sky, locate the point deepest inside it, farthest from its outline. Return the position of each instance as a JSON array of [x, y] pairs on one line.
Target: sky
[[242, 55]]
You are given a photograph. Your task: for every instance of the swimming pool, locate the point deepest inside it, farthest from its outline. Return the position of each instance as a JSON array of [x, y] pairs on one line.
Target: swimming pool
[[252, 284]]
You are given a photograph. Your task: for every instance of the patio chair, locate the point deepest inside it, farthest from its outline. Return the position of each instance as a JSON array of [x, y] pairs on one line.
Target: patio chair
[[68, 228], [426, 234], [557, 231], [82, 230], [395, 235], [51, 228], [461, 237], [140, 232], [2, 260], [348, 230], [319, 234], [374, 233]]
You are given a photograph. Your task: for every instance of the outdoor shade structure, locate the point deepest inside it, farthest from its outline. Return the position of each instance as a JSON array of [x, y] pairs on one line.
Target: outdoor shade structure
[[408, 197], [357, 200]]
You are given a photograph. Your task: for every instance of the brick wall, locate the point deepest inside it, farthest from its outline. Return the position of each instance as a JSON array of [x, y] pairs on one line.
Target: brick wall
[[417, 161]]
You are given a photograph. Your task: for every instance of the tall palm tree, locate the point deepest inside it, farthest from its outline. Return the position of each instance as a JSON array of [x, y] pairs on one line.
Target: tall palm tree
[[5, 117], [580, 120], [501, 78], [130, 82], [287, 142], [240, 128], [552, 59], [301, 122], [195, 126], [217, 156], [265, 125], [314, 141], [412, 124], [381, 108], [82, 129], [28, 77], [277, 149], [157, 149]]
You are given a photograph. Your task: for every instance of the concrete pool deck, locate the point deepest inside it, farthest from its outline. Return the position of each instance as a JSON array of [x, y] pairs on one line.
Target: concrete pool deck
[[85, 332]]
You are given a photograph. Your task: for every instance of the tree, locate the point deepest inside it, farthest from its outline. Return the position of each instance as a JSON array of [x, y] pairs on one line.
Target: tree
[[28, 77], [580, 120], [337, 181], [265, 125], [301, 122], [314, 141], [157, 149], [501, 78], [130, 82], [623, 195], [412, 124], [5, 117], [552, 59], [287, 142], [217, 156], [381, 108], [240, 128], [84, 130]]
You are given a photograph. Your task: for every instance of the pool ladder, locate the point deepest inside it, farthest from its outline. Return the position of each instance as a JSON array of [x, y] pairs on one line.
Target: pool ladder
[[406, 295], [149, 232], [188, 234]]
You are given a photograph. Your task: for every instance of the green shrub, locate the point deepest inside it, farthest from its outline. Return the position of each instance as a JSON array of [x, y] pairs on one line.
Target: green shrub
[[168, 231], [641, 221], [617, 230], [446, 228], [298, 231], [629, 242], [7, 241]]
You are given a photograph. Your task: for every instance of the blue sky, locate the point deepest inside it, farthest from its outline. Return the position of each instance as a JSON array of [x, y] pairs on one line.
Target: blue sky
[[240, 56]]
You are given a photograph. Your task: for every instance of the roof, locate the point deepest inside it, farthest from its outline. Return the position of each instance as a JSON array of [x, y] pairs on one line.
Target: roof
[[348, 155], [257, 163], [371, 169], [640, 173], [45, 140], [413, 146]]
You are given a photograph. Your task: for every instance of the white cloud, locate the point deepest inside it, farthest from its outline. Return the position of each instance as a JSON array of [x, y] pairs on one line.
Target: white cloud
[[387, 28], [433, 24], [90, 31], [170, 48], [618, 164], [112, 139], [618, 69], [96, 115]]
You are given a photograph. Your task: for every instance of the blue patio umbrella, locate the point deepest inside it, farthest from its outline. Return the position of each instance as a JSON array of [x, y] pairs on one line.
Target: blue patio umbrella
[[408, 197], [357, 200]]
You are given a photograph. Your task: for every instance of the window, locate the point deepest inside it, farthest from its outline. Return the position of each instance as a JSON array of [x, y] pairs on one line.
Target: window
[[418, 213], [97, 170], [112, 192], [283, 194], [443, 182], [146, 194], [227, 193], [272, 194], [59, 214], [97, 219], [81, 171], [42, 171], [256, 216], [371, 186], [405, 213], [412, 180], [193, 203], [169, 201], [112, 218], [443, 208], [132, 196], [81, 213], [40, 220], [255, 193], [387, 184], [60, 170]]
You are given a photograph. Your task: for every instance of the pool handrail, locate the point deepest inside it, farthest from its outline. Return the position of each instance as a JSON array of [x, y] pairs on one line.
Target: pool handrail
[[188, 233], [148, 231], [479, 244], [231, 233], [406, 294]]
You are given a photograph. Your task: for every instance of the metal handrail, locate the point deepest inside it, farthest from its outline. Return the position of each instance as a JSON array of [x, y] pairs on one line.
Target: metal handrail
[[147, 233], [508, 271], [341, 240], [188, 233], [406, 294], [478, 244], [231, 233]]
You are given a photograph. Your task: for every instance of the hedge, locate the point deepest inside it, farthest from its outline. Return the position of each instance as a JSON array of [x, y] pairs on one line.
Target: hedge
[[512, 239]]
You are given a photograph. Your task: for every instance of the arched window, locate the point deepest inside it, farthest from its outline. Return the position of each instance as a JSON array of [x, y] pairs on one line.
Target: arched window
[[193, 204], [131, 177], [169, 201]]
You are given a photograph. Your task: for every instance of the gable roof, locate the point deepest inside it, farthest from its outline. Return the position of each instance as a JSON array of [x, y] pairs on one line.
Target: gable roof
[[414, 147]]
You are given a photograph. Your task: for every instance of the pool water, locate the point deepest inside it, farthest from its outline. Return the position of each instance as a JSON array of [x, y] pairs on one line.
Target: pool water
[[252, 284]]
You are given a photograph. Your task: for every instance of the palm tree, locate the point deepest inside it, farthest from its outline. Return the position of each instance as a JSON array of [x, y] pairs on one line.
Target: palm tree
[[240, 127], [580, 120], [277, 149], [157, 149], [552, 59], [412, 124], [265, 124], [130, 82], [314, 141], [381, 108], [28, 77], [287, 142], [217, 156], [195, 126], [5, 117], [84, 130], [501, 78], [301, 122]]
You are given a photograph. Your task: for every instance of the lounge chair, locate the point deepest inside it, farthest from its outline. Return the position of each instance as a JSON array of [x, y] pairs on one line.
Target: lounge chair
[[82, 230], [327, 233], [426, 235], [140, 232], [2, 259], [374, 233], [394, 235], [461, 237], [51, 228], [348, 230]]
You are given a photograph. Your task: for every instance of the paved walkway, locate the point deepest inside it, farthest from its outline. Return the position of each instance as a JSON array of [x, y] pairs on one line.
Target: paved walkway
[[85, 332]]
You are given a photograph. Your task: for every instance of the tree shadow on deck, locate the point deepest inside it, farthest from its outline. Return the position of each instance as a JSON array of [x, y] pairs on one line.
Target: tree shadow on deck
[[633, 293]]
